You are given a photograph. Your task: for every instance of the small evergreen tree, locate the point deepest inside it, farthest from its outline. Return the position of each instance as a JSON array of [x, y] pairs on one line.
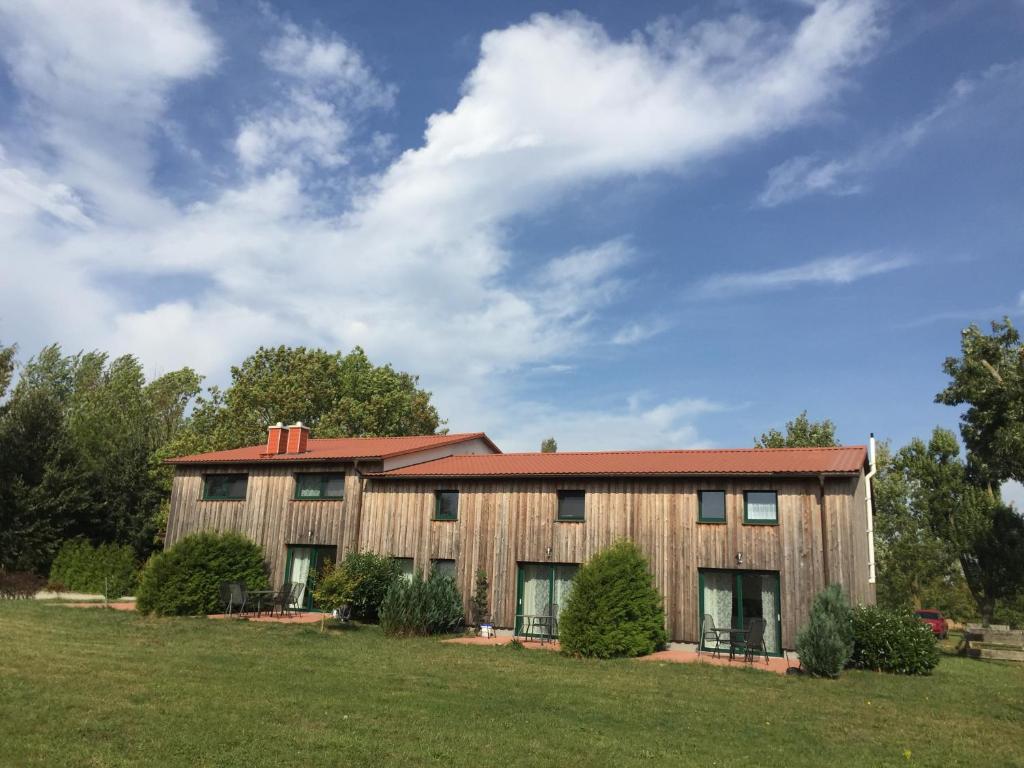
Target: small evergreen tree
[[826, 643], [613, 609], [481, 604], [549, 445]]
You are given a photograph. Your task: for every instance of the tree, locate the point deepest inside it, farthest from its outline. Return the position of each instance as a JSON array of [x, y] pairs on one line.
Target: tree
[[549, 445], [7, 354], [985, 535], [336, 395], [77, 438], [916, 568], [801, 432], [989, 378]]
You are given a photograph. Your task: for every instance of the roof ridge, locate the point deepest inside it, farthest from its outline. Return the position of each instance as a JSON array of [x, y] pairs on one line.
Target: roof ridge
[[395, 437], [656, 450]]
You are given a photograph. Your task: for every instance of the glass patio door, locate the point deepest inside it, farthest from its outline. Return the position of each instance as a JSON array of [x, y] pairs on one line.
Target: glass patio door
[[304, 564], [543, 590], [733, 598]]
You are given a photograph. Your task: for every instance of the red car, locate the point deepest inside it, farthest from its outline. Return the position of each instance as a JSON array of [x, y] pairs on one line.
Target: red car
[[935, 620]]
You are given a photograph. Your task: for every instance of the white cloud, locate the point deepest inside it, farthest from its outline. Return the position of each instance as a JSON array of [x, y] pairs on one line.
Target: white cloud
[[837, 270], [418, 268], [807, 175], [635, 332]]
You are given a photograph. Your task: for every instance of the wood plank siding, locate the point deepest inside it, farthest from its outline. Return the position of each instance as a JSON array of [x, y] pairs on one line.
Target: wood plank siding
[[504, 522]]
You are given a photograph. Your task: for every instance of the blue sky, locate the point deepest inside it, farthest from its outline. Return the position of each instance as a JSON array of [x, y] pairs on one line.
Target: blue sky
[[621, 224]]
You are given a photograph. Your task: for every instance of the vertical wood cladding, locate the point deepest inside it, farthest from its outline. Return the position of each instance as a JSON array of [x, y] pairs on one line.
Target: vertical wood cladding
[[502, 523]]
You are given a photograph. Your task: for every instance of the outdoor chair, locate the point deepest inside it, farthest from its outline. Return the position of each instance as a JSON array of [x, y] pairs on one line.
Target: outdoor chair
[[709, 633], [232, 597], [287, 598], [752, 642], [345, 613]]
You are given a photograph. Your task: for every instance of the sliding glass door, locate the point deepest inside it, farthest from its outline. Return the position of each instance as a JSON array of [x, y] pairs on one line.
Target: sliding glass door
[[543, 590], [304, 564], [733, 598]]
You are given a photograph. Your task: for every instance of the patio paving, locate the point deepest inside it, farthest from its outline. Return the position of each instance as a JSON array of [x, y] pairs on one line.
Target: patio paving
[[300, 618], [776, 665], [773, 664]]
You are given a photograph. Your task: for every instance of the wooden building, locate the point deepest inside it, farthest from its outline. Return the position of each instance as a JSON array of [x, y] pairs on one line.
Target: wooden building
[[735, 534]]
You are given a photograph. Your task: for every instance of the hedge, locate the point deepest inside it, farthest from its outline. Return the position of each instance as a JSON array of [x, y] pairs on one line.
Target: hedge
[[109, 569], [186, 579], [892, 641]]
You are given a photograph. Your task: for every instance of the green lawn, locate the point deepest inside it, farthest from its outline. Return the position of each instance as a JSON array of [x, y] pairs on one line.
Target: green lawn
[[93, 687]]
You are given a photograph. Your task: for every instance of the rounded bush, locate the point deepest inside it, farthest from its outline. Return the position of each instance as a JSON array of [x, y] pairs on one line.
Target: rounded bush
[[613, 608], [371, 576], [892, 641], [185, 579], [422, 607], [109, 569]]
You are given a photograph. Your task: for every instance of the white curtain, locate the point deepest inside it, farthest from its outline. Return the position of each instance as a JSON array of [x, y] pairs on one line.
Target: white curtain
[[770, 612], [718, 599], [302, 558], [564, 575], [762, 505]]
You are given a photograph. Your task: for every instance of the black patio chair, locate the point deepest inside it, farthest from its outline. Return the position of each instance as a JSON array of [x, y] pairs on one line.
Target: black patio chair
[[345, 614], [232, 597], [709, 632], [287, 598], [752, 642]]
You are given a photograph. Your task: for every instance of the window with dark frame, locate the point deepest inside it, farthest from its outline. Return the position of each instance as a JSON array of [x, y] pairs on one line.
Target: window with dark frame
[[572, 506], [761, 507], [711, 507], [313, 486], [443, 567], [446, 505], [225, 487]]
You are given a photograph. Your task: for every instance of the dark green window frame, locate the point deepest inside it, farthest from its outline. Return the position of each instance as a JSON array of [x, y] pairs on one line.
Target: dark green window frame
[[746, 517], [323, 478], [574, 495], [216, 487], [447, 516], [712, 520]]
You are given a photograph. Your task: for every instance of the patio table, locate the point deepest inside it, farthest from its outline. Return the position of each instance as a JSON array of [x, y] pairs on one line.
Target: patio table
[[539, 621], [261, 595]]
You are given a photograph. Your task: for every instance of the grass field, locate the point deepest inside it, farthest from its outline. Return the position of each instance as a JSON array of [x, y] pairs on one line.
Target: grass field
[[93, 687]]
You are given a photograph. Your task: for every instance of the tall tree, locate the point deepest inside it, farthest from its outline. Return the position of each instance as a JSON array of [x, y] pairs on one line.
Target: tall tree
[[336, 395], [7, 354], [989, 378], [916, 568], [549, 445], [801, 432], [985, 535]]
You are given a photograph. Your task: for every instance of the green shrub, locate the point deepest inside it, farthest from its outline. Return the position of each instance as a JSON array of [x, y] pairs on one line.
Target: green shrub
[[109, 569], [185, 579], [422, 607], [892, 641], [335, 587], [826, 643], [371, 575], [613, 609], [481, 603]]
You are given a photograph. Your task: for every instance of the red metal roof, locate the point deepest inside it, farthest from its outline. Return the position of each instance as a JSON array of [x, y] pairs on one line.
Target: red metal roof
[[335, 449], [740, 461]]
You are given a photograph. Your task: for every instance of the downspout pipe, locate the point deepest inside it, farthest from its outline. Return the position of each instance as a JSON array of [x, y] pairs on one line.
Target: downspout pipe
[[868, 493]]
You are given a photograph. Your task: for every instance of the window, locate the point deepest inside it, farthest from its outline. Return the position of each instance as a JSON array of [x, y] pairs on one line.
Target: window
[[761, 507], [405, 567], [711, 506], [224, 487], [443, 567], [446, 505], [571, 505], [320, 486]]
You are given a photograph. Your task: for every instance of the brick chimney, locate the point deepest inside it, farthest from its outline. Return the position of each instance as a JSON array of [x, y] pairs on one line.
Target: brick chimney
[[277, 439], [298, 434]]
